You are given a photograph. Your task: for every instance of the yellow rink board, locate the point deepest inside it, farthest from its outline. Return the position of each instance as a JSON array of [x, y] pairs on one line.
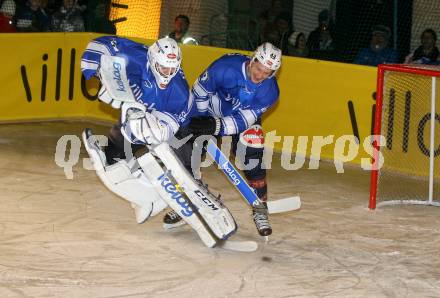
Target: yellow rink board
[[313, 102], [136, 18]]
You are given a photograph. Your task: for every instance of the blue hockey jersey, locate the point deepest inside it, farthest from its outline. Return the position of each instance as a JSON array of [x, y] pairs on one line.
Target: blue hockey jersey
[[171, 105], [225, 91]]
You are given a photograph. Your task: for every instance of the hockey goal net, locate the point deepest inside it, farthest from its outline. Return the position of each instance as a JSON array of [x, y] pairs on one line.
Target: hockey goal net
[[406, 165]]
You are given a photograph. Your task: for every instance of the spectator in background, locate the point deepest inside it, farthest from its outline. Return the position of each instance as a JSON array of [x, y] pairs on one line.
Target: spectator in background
[[98, 13], [279, 31], [427, 52], [378, 52], [83, 4], [48, 16], [51, 6], [284, 26], [271, 35], [180, 33], [297, 45], [320, 41], [68, 18], [267, 18], [7, 13], [32, 18]]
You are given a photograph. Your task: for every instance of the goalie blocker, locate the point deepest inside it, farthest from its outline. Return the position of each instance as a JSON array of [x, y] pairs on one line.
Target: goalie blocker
[[157, 179]]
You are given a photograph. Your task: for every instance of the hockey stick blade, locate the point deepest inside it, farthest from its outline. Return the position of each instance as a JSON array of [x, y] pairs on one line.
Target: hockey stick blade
[[284, 205], [241, 246], [168, 227], [277, 206]]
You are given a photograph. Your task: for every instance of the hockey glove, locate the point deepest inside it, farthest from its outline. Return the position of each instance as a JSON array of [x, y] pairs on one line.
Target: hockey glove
[[205, 125], [142, 128]]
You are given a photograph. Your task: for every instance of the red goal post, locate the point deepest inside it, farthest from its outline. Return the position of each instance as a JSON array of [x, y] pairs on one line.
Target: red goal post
[[407, 116]]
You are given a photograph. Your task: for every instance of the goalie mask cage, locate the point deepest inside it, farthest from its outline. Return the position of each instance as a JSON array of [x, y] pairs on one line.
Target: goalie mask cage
[[406, 166]]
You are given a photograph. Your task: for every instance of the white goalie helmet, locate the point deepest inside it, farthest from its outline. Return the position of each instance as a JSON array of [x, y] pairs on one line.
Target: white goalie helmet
[[164, 57], [268, 55]]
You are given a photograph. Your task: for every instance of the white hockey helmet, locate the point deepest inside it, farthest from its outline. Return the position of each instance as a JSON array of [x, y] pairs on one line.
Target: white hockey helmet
[[164, 57], [268, 55]]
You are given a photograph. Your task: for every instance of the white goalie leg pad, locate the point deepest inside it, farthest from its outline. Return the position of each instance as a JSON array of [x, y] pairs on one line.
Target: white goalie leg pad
[[216, 215], [175, 198], [131, 185], [178, 182]]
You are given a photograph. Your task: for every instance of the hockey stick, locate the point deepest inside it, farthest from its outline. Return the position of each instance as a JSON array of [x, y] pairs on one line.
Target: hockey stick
[[239, 245], [274, 206]]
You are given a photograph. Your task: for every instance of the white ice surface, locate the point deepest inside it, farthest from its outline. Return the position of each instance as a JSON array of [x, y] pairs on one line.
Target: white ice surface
[[73, 238]]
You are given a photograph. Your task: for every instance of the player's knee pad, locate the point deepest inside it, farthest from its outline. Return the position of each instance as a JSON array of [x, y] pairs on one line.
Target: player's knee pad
[[131, 185]]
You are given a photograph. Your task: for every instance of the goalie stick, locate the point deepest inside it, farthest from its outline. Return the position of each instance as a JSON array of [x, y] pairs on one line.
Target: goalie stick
[[274, 206]]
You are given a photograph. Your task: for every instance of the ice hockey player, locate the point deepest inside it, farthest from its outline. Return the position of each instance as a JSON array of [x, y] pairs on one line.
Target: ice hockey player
[[161, 94], [231, 96]]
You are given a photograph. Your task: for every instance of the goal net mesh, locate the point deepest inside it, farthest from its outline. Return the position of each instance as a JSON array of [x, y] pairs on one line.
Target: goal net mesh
[[406, 125]]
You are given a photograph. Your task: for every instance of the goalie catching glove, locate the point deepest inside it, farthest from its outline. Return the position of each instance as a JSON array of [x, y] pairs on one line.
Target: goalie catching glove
[[141, 127]]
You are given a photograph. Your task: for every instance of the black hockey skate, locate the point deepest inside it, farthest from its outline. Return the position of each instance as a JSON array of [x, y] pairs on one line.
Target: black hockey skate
[[172, 220], [261, 219]]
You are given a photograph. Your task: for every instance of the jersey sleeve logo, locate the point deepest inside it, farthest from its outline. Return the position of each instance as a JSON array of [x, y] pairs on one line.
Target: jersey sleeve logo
[[262, 110], [182, 116], [148, 84], [114, 43], [204, 76]]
